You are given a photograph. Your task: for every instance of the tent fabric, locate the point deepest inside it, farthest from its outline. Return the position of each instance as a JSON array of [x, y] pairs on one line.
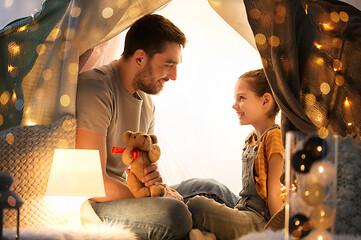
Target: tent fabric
[[310, 51], [40, 55], [16, 63]]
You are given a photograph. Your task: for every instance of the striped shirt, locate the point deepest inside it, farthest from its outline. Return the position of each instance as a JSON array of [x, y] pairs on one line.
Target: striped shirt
[[271, 143]]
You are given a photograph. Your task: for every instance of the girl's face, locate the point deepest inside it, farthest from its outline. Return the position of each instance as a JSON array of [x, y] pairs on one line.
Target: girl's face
[[249, 107]]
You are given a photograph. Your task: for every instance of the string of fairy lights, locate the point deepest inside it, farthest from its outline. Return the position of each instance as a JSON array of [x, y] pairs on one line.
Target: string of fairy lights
[[311, 215], [337, 66], [335, 20]]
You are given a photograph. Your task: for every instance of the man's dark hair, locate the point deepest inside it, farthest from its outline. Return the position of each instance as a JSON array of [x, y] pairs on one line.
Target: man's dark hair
[[151, 33]]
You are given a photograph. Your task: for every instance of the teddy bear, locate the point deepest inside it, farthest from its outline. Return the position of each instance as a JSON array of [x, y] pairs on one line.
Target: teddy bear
[[141, 151]]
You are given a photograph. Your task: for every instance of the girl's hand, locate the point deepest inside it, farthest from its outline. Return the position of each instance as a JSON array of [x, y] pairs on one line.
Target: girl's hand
[[171, 193]]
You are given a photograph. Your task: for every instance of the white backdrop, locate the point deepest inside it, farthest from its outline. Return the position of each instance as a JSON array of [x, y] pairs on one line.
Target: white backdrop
[[198, 130]]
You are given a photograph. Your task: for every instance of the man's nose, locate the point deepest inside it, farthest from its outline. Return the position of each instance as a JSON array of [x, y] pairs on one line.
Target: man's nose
[[172, 73]]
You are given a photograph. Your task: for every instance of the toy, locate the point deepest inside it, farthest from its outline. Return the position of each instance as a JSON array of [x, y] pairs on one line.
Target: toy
[[141, 151]]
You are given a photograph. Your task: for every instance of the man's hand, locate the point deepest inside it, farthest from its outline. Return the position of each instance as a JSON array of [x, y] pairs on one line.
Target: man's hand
[[152, 177], [171, 193]]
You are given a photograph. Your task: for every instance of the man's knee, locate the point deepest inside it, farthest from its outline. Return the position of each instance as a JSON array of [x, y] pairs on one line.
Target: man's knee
[[177, 217]]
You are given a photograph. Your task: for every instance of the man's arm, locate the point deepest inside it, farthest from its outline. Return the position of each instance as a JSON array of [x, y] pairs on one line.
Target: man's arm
[[114, 189]]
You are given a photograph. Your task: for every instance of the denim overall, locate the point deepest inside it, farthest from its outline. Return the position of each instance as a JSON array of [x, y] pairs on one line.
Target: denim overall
[[250, 200]]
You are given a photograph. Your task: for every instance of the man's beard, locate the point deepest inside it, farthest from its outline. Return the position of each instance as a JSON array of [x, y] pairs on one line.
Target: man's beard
[[145, 81]]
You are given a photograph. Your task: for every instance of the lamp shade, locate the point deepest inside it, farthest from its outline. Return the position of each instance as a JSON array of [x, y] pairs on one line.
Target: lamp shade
[[76, 172]]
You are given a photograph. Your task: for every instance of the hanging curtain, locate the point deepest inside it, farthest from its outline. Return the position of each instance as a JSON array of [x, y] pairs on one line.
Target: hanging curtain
[[310, 51], [42, 54]]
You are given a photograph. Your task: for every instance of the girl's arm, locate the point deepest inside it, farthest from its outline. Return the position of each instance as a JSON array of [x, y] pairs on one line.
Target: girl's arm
[[273, 182]]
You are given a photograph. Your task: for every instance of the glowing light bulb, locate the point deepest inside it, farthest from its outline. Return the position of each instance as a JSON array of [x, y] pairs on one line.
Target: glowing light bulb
[[13, 48], [10, 68], [327, 26], [14, 96], [347, 103], [30, 123], [23, 28], [319, 61], [318, 46]]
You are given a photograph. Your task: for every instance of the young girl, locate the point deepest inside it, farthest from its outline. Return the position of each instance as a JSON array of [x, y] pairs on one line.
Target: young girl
[[262, 161]]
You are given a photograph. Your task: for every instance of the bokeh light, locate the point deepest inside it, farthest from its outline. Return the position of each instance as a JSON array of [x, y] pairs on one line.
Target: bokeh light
[[337, 43], [47, 74], [322, 217], [73, 68], [8, 3], [19, 104], [107, 12], [133, 12], [65, 100], [339, 80], [4, 97], [337, 65], [323, 133], [344, 16], [40, 49], [1, 119], [11, 201], [323, 172], [274, 41], [255, 13], [75, 12], [260, 38], [10, 138], [313, 194], [325, 88], [334, 17], [13, 48]]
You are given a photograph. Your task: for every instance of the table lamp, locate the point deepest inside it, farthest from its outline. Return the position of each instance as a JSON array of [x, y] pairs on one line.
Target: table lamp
[[75, 173]]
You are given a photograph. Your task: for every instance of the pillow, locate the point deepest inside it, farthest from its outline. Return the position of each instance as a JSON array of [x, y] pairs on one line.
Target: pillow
[[26, 153]]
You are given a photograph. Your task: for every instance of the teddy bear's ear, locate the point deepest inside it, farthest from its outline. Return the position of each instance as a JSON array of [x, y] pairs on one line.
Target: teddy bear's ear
[[154, 138], [126, 136]]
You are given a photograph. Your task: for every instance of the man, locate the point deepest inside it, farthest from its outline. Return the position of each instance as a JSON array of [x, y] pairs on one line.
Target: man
[[113, 99]]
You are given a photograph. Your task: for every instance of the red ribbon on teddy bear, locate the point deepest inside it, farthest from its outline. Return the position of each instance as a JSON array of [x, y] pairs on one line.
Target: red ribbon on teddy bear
[[135, 152]]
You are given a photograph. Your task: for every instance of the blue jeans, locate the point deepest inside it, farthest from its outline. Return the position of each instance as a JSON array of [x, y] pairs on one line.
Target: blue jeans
[[162, 218], [209, 188]]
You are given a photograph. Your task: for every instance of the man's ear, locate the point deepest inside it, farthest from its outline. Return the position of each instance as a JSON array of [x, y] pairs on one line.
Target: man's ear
[[139, 57]]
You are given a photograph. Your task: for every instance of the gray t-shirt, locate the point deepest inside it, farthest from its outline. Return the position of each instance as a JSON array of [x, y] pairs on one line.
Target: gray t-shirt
[[105, 107]]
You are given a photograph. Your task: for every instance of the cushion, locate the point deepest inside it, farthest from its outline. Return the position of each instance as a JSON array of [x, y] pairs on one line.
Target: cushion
[[26, 153]]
